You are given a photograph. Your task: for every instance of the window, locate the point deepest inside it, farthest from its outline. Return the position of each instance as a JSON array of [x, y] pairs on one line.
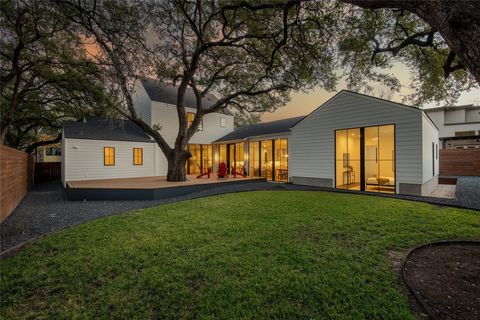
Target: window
[[190, 117], [223, 122], [138, 156], [53, 151], [436, 150], [108, 156]]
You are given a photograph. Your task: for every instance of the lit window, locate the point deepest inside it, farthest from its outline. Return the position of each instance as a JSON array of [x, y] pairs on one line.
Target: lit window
[[137, 156], [223, 122], [190, 117], [109, 156]]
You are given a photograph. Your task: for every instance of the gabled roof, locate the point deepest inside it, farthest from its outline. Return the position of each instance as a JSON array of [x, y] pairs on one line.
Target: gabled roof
[[168, 94], [261, 129], [343, 92], [104, 129]]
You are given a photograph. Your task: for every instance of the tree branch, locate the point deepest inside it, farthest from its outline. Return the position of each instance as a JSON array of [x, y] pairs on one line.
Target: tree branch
[[37, 144]]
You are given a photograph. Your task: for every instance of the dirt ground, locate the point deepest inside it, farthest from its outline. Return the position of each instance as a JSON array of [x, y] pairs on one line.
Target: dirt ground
[[447, 278]]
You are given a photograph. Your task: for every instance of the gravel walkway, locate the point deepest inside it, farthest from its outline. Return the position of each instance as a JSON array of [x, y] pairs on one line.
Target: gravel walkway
[[46, 209]]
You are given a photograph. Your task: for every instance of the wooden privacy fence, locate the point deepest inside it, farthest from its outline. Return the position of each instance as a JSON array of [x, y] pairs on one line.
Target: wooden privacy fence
[[47, 171], [16, 178], [460, 162]]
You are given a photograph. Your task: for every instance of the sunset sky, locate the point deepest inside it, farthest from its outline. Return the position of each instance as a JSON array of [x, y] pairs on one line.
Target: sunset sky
[[304, 103]]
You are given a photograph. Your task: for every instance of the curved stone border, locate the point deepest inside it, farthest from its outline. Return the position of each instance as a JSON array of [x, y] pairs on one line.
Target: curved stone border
[[410, 286]]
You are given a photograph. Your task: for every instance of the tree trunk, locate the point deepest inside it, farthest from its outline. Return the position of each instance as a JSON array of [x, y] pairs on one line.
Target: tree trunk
[[177, 165]]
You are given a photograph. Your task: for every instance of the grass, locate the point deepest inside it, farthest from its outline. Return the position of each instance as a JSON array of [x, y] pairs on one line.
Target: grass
[[269, 254]]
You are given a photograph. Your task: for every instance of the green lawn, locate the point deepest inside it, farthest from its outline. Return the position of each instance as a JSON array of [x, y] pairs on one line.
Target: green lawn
[[270, 254]]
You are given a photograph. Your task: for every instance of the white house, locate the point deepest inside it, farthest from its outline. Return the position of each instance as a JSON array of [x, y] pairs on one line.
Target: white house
[[87, 145], [459, 126], [358, 142], [352, 141]]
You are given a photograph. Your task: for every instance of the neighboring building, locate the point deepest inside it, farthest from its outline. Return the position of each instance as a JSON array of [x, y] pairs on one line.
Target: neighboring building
[[50, 153], [459, 126], [351, 142]]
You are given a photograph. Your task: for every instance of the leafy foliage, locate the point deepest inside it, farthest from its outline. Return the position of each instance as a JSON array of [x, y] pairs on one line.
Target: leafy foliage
[[375, 39], [246, 118], [46, 76]]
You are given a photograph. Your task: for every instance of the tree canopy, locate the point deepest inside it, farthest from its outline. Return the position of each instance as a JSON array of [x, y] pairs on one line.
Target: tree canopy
[[46, 75], [435, 40], [251, 56]]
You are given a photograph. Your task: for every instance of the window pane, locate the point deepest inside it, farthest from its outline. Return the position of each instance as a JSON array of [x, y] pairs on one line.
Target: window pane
[[380, 158], [267, 159], [194, 160], [206, 157], [240, 158], [137, 156], [190, 117], [254, 159], [223, 154], [347, 159], [281, 160], [109, 156]]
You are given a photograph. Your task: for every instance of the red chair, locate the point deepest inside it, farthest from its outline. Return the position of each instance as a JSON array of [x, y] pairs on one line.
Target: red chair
[[222, 170], [209, 171]]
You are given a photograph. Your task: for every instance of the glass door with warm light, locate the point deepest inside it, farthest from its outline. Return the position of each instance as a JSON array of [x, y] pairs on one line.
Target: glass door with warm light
[[380, 159], [207, 157], [194, 162], [347, 159]]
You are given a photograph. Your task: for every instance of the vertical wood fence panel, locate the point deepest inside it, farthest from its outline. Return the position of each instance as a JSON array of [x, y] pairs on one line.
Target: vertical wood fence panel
[[460, 162], [16, 178], [47, 171]]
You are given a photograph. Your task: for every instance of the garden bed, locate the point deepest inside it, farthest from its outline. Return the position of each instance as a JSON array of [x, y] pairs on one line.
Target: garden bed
[[445, 278]]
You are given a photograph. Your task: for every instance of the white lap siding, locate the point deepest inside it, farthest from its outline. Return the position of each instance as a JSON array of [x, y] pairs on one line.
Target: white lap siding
[[165, 116], [312, 141], [84, 160]]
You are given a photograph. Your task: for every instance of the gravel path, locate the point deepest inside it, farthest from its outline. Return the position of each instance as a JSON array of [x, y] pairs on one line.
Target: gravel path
[[46, 209]]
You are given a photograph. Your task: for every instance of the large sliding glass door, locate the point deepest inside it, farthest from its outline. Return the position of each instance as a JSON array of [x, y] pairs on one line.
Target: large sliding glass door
[[269, 159], [347, 159], [380, 159], [194, 162], [365, 159], [236, 158], [201, 159]]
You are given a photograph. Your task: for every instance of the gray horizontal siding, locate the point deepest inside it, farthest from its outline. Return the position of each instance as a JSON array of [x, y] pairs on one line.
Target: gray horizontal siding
[[311, 143]]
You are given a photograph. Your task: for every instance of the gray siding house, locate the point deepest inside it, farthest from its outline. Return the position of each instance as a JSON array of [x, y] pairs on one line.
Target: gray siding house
[[358, 142]]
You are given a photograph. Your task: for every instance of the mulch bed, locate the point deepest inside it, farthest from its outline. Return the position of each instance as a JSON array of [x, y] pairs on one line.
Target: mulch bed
[[445, 278]]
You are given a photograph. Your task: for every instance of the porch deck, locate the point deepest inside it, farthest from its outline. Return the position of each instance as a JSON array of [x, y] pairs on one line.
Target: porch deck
[[146, 188]]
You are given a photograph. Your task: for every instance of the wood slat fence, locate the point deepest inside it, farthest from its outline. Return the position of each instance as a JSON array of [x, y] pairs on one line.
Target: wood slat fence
[[460, 162], [16, 178]]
